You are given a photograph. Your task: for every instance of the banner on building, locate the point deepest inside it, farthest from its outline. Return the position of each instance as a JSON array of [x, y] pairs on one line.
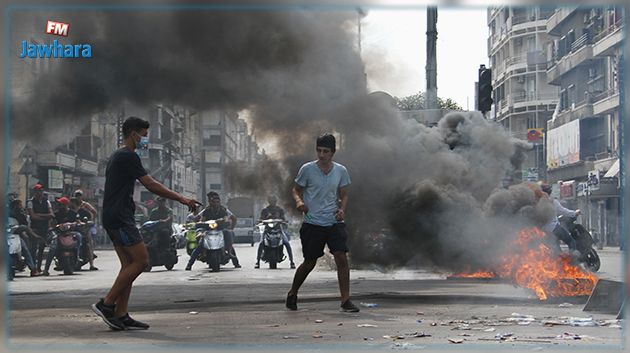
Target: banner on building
[[530, 174], [536, 136], [567, 190], [563, 145], [55, 179]]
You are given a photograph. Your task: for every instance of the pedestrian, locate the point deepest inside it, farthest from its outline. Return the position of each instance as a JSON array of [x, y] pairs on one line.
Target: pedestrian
[[40, 211], [123, 168], [318, 187]]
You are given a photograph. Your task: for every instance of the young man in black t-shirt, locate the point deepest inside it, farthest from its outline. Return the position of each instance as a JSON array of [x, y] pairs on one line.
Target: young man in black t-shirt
[[123, 169]]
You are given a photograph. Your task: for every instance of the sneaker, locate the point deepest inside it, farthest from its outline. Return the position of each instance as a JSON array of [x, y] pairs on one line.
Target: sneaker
[[93, 268], [292, 265], [257, 265], [106, 312], [35, 273], [45, 273], [348, 307], [131, 324], [291, 302], [237, 266]]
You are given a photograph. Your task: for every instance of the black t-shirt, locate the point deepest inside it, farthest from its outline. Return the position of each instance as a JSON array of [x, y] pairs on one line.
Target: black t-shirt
[[123, 168], [83, 213], [42, 206], [209, 214], [63, 217], [272, 212]]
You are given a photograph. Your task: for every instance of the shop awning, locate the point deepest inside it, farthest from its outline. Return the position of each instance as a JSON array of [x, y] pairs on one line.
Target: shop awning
[[613, 171]]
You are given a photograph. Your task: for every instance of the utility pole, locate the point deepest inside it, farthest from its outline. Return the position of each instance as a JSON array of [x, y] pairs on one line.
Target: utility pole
[[431, 68]]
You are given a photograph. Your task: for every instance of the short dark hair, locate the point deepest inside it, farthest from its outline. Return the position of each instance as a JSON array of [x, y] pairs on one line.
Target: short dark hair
[[326, 140], [133, 124], [212, 194]]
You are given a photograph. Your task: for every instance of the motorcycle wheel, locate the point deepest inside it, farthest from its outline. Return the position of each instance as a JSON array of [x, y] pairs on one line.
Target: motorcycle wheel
[[592, 260], [214, 261], [67, 266]]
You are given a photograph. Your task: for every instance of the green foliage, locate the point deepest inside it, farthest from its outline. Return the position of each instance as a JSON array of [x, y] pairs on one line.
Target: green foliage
[[416, 102]]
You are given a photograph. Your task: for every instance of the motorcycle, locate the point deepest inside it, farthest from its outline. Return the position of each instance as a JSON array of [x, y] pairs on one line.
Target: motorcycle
[[273, 247], [191, 237], [161, 244], [584, 242], [14, 246], [212, 243], [68, 255]]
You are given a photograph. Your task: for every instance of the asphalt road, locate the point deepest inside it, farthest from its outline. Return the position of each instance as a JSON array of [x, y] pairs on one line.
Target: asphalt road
[[243, 309]]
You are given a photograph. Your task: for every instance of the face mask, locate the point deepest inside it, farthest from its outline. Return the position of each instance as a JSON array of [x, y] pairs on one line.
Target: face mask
[[144, 143]]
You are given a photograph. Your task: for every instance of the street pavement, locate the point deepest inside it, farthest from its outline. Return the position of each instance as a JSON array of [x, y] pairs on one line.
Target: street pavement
[[243, 309]]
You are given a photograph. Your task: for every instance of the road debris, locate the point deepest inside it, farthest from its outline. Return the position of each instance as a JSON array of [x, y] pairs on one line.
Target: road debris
[[368, 338], [193, 312], [289, 337], [456, 340], [565, 305], [366, 325], [369, 305], [419, 313], [317, 336], [405, 345], [319, 321]]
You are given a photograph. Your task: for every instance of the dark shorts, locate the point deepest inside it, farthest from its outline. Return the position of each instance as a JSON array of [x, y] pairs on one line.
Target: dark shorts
[[314, 238], [125, 236]]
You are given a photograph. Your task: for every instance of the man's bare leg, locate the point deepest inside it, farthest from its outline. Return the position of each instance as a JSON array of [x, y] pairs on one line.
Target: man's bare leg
[[300, 275], [343, 275], [133, 259]]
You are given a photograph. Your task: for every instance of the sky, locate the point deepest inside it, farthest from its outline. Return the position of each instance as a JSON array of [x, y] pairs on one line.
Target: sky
[[399, 37]]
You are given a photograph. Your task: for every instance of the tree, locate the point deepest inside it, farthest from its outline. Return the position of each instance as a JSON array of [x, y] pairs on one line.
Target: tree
[[416, 102]]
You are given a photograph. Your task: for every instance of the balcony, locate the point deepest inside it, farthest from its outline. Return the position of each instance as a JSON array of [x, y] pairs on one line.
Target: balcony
[[86, 166], [609, 39], [606, 102], [580, 110], [56, 159], [559, 16], [582, 53], [524, 99]]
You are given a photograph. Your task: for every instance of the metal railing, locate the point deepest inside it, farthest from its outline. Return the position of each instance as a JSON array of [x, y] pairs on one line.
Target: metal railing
[[517, 59], [605, 94], [534, 96], [580, 42], [610, 29]]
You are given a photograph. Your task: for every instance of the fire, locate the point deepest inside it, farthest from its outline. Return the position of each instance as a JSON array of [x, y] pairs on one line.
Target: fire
[[533, 265]]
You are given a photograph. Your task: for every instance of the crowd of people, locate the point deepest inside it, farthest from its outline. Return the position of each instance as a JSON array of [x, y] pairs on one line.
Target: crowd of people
[[40, 215]]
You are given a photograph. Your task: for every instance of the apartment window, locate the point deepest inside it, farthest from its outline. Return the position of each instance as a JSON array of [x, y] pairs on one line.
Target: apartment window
[[213, 156], [215, 186], [211, 138], [531, 122]]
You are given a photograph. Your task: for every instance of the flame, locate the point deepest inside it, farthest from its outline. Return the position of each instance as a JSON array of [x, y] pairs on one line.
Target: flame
[[533, 265]]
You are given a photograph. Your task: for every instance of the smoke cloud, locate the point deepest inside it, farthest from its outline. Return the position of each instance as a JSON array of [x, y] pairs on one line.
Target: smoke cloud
[[436, 189]]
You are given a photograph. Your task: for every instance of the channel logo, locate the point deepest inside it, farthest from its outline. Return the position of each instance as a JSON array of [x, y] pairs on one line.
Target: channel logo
[[56, 49]]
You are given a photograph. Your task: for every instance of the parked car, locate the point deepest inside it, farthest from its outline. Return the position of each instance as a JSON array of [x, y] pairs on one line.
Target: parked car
[[245, 232]]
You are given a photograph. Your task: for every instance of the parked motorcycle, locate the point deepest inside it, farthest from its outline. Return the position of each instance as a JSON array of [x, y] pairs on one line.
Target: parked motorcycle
[[15, 248], [273, 247], [584, 242], [213, 243], [161, 244], [67, 253]]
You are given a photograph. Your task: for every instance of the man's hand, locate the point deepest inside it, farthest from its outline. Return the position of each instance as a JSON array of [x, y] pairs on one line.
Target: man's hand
[[301, 207], [340, 214], [191, 203]]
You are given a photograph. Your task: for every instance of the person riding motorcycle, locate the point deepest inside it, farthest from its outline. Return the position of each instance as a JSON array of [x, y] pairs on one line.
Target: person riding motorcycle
[[17, 212], [63, 215], [216, 211], [554, 227], [84, 215], [275, 212], [163, 214]]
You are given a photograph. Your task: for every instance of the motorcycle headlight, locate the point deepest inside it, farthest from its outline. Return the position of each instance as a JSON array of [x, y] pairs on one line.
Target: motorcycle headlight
[[65, 227], [213, 225], [272, 225]]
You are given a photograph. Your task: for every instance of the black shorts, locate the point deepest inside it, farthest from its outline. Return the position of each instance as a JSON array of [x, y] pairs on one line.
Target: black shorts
[[125, 236], [314, 238]]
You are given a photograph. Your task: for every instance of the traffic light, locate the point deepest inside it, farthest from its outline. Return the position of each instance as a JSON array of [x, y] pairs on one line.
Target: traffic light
[[484, 96]]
